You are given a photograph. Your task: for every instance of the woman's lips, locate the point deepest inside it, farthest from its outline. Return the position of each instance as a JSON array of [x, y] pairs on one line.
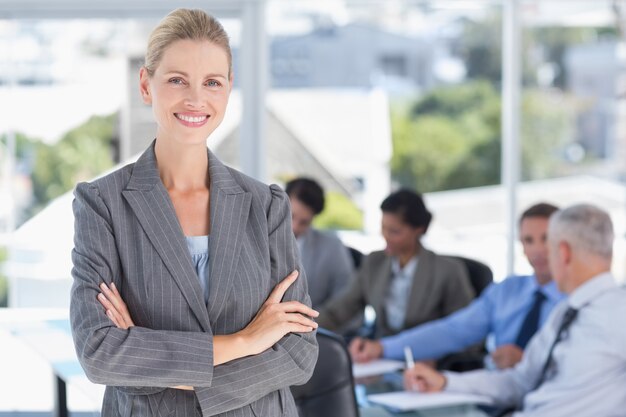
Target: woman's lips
[[192, 120]]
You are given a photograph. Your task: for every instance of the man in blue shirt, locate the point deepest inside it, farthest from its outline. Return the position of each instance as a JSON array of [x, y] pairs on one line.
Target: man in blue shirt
[[509, 312]]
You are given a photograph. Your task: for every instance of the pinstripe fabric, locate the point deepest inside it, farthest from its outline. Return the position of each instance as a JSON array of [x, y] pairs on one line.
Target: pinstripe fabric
[[126, 232]]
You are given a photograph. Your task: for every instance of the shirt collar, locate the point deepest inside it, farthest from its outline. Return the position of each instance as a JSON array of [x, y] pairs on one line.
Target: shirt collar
[[409, 268], [591, 289], [550, 289]]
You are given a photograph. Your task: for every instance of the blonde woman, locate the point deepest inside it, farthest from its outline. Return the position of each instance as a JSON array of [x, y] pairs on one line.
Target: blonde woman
[[179, 304]]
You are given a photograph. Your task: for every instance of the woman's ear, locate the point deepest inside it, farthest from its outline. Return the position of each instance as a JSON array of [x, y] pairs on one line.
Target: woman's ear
[[419, 231], [144, 86]]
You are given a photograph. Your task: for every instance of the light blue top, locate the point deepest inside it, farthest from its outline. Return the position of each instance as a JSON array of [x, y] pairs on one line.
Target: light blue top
[[199, 250], [498, 313], [397, 299], [588, 375]]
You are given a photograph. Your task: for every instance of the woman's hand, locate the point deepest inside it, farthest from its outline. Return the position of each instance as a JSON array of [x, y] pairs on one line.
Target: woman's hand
[[115, 306], [275, 319]]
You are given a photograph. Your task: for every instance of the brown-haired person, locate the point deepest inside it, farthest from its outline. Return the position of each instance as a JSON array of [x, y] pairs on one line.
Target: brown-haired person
[[509, 312], [179, 303], [406, 283], [325, 259]]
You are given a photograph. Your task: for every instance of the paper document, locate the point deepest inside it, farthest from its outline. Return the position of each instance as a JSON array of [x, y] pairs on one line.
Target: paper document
[[377, 367], [405, 400]]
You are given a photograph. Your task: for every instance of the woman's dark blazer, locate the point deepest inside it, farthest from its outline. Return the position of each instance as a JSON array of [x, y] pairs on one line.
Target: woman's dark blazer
[[440, 287]]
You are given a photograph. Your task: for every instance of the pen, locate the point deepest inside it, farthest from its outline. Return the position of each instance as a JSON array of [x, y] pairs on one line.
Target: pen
[[408, 357]]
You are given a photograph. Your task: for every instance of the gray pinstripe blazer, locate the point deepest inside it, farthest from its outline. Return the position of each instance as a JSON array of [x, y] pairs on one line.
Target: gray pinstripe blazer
[[126, 231]]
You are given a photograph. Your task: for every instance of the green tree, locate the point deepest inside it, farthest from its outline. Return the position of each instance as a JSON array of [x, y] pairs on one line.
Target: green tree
[[425, 150], [82, 153], [340, 213], [547, 127], [449, 141]]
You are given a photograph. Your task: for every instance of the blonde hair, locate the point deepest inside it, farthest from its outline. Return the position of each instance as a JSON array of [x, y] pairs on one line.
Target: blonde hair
[[184, 24]]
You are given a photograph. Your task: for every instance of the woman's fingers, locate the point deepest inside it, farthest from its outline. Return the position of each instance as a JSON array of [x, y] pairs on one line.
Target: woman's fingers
[[281, 288], [297, 307], [112, 312], [115, 306], [276, 318], [113, 297], [119, 298], [299, 328], [300, 319], [116, 319]]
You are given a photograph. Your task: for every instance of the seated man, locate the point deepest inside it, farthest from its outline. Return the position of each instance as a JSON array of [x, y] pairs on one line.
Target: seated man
[[325, 259], [576, 364], [510, 311]]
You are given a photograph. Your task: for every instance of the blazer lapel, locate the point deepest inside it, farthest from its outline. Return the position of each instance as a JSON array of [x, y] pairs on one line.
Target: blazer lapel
[[419, 286], [230, 207], [382, 278], [153, 207]]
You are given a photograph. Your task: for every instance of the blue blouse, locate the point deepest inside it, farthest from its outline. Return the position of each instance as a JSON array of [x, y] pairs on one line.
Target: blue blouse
[[199, 250]]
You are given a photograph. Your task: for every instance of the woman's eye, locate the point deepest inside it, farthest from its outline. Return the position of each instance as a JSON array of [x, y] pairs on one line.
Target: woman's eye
[[175, 81], [213, 83]]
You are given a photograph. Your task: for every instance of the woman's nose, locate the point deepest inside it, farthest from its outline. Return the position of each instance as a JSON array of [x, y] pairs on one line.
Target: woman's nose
[[194, 98]]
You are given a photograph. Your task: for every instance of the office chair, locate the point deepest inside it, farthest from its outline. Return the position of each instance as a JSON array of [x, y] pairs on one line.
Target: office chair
[[356, 255], [330, 391], [481, 277]]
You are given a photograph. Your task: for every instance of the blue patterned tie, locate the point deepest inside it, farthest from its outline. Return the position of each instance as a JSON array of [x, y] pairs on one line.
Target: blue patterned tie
[[531, 322]]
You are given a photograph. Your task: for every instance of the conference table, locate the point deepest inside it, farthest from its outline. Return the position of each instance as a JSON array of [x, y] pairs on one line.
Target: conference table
[[393, 382], [47, 333]]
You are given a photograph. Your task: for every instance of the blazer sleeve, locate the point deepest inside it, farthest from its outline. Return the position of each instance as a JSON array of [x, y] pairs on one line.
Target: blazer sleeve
[[458, 291], [290, 361], [341, 269], [137, 357], [340, 310]]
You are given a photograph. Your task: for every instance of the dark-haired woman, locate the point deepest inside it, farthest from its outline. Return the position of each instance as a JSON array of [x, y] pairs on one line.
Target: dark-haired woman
[[406, 283]]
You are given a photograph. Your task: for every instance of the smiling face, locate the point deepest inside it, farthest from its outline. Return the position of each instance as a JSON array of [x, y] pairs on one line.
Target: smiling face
[[188, 91]]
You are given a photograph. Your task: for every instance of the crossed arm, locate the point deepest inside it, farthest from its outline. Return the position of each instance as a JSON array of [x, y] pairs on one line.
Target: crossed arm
[[274, 320]]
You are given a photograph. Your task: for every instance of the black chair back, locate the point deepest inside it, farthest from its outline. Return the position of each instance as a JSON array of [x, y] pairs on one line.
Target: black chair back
[[330, 391], [480, 274], [481, 277], [356, 255]]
